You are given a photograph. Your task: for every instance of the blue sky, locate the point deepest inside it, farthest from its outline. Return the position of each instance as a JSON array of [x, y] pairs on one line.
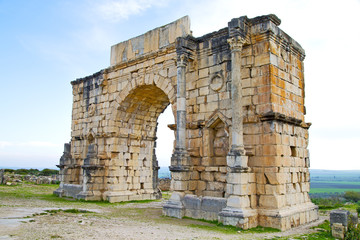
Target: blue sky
[[46, 44]]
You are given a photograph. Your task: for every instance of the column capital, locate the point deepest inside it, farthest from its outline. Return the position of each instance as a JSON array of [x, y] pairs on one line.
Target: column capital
[[236, 43], [182, 60]]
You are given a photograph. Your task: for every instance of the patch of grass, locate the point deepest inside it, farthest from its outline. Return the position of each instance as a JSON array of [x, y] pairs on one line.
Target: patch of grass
[[325, 225], [71, 210], [55, 236], [260, 229], [26, 190], [166, 195], [328, 203], [228, 229], [74, 210], [45, 192], [134, 201], [324, 234], [216, 228]]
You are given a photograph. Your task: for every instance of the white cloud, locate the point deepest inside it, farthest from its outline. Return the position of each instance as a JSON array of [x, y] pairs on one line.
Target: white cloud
[[116, 10]]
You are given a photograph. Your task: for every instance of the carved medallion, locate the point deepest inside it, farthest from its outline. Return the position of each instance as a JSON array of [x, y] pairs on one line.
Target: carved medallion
[[216, 82], [92, 109]]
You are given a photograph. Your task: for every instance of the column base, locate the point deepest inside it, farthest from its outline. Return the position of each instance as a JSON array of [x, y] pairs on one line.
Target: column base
[[90, 196], [288, 217], [242, 218], [68, 190], [175, 207]]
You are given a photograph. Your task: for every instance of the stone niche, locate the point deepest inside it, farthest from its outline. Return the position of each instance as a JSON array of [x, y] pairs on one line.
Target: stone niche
[[237, 94]]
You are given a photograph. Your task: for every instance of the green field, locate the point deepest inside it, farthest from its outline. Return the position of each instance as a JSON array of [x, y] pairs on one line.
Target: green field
[[334, 181]]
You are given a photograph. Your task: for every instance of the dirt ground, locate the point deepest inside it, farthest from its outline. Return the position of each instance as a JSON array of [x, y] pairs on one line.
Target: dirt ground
[[26, 217]]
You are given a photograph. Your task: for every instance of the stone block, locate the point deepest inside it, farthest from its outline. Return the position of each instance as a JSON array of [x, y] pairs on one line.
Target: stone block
[[220, 161], [272, 201], [339, 216], [238, 178], [192, 185], [211, 169], [220, 177], [179, 185], [209, 193], [275, 189], [215, 186], [192, 202], [260, 189], [204, 91], [213, 204], [260, 178], [201, 185], [276, 178], [238, 201], [207, 176], [338, 231], [244, 189]]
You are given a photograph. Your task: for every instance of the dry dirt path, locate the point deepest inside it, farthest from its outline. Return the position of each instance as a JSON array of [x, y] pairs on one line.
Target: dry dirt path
[[131, 221], [27, 218]]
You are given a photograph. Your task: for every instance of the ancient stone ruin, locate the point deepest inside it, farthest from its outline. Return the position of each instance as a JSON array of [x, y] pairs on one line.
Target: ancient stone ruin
[[237, 94]]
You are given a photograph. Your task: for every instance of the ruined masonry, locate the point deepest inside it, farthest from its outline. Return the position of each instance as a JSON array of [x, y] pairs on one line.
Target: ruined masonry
[[240, 154]]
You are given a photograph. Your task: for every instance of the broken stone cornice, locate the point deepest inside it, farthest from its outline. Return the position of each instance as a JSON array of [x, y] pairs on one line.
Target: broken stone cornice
[[269, 24], [95, 76]]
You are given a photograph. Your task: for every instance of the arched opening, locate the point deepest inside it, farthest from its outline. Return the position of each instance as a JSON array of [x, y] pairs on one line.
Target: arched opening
[[164, 147], [137, 161]]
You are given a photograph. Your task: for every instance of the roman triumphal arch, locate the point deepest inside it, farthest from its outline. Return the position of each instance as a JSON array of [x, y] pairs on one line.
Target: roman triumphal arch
[[240, 154]]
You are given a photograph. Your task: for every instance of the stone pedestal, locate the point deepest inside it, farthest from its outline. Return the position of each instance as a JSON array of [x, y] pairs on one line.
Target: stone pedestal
[[288, 217], [91, 170], [236, 216], [175, 206], [340, 220], [65, 161]]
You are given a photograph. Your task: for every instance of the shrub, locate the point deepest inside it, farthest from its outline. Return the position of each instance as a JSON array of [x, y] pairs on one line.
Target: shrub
[[358, 210], [328, 203], [22, 171], [32, 171], [352, 196], [353, 231], [48, 172], [9, 170]]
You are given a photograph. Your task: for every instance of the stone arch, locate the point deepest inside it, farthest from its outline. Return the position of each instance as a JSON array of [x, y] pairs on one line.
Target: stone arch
[[157, 80], [133, 158]]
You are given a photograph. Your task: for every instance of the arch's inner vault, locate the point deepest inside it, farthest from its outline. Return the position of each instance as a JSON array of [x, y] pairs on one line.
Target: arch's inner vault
[[237, 95]]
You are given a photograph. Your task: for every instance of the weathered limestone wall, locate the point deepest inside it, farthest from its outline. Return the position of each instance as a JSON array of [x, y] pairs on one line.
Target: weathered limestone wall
[[240, 154], [114, 119], [273, 189]]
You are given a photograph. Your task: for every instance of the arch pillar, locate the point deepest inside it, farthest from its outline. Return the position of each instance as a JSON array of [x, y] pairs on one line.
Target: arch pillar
[[237, 211], [180, 160], [180, 157]]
